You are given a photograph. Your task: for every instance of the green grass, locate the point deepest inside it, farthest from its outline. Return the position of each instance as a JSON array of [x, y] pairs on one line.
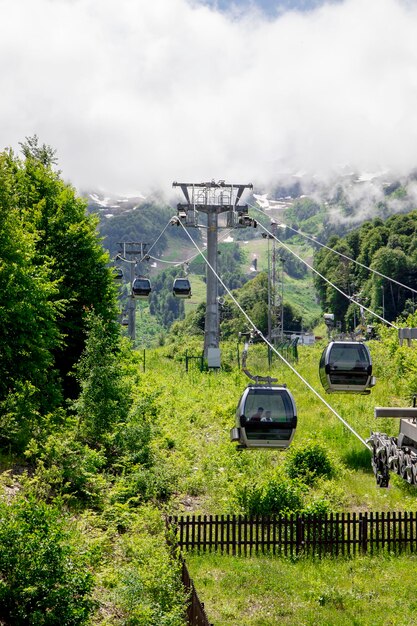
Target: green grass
[[264, 591], [198, 289], [298, 292], [196, 413]]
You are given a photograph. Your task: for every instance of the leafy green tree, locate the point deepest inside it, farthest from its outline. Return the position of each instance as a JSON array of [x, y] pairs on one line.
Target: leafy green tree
[[145, 224], [390, 248], [44, 153], [253, 298], [30, 308], [105, 392], [301, 210], [293, 267], [392, 263], [67, 239], [229, 266], [338, 271], [371, 242]]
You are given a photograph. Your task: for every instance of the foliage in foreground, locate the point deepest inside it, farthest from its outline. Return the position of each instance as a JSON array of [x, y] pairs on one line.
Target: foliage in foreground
[[44, 580]]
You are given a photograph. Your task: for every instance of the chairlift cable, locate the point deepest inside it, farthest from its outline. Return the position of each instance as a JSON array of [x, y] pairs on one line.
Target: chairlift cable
[[144, 257], [265, 340], [328, 281], [154, 258], [191, 258], [345, 256], [157, 239], [122, 258]]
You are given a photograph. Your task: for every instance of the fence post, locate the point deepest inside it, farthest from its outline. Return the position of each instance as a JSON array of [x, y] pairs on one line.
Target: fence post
[[363, 532], [299, 534]]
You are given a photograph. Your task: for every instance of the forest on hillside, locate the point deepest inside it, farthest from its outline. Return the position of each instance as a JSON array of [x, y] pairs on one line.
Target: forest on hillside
[[390, 249]]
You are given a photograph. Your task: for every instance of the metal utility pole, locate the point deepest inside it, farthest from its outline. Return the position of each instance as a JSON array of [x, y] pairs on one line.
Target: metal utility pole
[[132, 252], [213, 198], [271, 284], [282, 297], [383, 301], [275, 290]]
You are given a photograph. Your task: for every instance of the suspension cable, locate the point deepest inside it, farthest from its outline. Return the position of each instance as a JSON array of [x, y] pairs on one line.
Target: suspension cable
[[145, 255], [327, 281], [154, 258], [345, 256], [191, 258], [265, 340], [156, 240]]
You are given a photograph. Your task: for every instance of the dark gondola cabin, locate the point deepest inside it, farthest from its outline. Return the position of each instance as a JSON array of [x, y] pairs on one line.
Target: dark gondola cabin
[[141, 287], [346, 367], [266, 417], [181, 288], [118, 274]]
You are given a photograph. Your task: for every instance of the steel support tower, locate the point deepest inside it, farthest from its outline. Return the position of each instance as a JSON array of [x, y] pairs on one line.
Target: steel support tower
[[133, 253], [213, 198]]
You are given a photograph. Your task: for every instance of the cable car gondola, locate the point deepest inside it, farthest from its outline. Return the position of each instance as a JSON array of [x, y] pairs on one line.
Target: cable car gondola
[[346, 367], [266, 417], [118, 274], [141, 287], [181, 288]]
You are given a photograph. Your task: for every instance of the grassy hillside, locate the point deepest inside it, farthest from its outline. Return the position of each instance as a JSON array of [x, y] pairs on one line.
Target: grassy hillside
[[196, 412], [172, 454]]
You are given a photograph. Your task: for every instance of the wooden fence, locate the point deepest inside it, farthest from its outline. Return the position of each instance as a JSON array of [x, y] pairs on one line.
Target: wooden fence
[[196, 614], [335, 534]]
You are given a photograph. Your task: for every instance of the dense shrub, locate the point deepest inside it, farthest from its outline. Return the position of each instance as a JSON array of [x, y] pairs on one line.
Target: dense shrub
[[43, 581], [142, 484], [275, 495], [309, 462], [67, 467]]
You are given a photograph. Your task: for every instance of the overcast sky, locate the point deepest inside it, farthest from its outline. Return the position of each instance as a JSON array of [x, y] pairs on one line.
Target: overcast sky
[[134, 94]]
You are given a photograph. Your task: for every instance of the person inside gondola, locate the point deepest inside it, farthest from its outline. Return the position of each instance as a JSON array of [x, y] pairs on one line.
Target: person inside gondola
[[267, 417], [256, 417]]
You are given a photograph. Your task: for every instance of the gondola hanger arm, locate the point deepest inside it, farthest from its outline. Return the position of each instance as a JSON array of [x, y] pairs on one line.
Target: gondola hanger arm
[[257, 379]]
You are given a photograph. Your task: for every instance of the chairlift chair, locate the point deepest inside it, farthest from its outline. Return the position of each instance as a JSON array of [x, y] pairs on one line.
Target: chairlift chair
[[346, 367]]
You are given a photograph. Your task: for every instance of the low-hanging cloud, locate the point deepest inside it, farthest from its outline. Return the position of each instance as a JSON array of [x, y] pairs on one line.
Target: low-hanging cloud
[[136, 94]]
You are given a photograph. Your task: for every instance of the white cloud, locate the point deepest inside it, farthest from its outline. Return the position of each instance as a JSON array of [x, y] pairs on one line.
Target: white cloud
[[136, 94]]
